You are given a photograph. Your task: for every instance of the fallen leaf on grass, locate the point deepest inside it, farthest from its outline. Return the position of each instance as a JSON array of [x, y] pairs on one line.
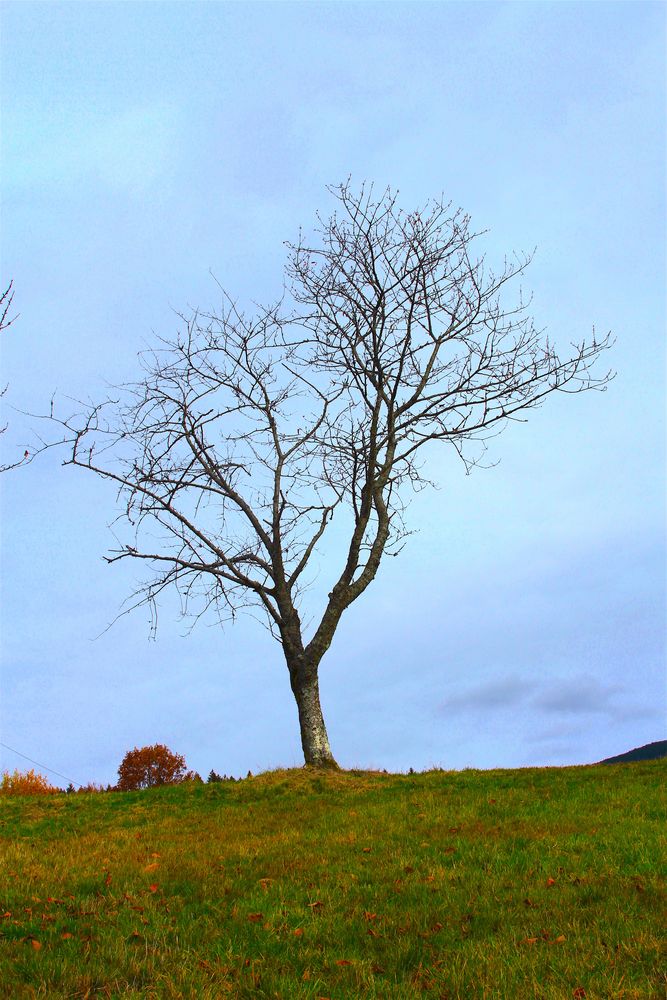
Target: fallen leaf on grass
[[377, 969], [36, 944], [299, 931], [367, 850], [154, 887], [65, 936], [151, 868], [551, 881], [343, 961], [369, 916], [255, 917], [531, 940], [316, 905], [579, 992]]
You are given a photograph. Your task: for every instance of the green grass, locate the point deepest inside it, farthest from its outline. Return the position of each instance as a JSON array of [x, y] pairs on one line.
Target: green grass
[[535, 883]]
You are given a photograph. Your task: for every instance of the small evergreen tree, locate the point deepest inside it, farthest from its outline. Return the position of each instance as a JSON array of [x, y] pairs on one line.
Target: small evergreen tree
[[193, 776]]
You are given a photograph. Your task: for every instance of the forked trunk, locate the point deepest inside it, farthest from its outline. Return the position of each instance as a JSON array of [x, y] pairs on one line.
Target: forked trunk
[[314, 739]]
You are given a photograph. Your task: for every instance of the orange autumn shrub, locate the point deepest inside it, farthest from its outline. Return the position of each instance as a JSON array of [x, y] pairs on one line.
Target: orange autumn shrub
[[150, 766], [27, 783]]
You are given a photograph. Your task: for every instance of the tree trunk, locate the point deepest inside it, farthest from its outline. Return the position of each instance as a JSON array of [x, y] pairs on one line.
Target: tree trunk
[[314, 739]]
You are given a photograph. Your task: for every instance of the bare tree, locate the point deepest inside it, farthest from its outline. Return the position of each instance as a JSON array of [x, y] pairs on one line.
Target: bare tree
[[6, 299], [246, 434]]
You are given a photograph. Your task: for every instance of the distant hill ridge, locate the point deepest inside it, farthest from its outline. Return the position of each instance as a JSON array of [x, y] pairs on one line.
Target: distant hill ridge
[[650, 751]]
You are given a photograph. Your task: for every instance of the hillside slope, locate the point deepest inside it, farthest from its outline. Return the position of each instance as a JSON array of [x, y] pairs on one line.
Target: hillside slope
[[650, 751]]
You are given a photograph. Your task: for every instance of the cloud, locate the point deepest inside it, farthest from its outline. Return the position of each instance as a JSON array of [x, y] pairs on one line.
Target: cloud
[[559, 698], [133, 149], [506, 692], [128, 151], [579, 696]]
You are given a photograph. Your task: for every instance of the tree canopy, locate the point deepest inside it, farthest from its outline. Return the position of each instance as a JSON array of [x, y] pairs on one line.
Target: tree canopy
[[247, 432]]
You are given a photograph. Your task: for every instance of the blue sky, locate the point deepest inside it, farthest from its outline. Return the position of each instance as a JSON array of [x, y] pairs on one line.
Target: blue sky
[[146, 145]]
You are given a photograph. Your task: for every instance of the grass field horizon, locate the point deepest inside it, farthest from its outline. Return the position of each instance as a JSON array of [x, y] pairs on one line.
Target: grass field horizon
[[299, 884]]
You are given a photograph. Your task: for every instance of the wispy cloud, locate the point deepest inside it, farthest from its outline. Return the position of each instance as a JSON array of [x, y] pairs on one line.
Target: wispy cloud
[[129, 151], [502, 693], [556, 698], [578, 696]]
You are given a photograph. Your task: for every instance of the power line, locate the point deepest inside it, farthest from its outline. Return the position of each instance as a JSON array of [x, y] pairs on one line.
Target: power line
[[41, 765]]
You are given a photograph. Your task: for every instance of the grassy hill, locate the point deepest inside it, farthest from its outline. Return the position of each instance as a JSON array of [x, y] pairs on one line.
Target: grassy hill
[[541, 883], [650, 751]]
